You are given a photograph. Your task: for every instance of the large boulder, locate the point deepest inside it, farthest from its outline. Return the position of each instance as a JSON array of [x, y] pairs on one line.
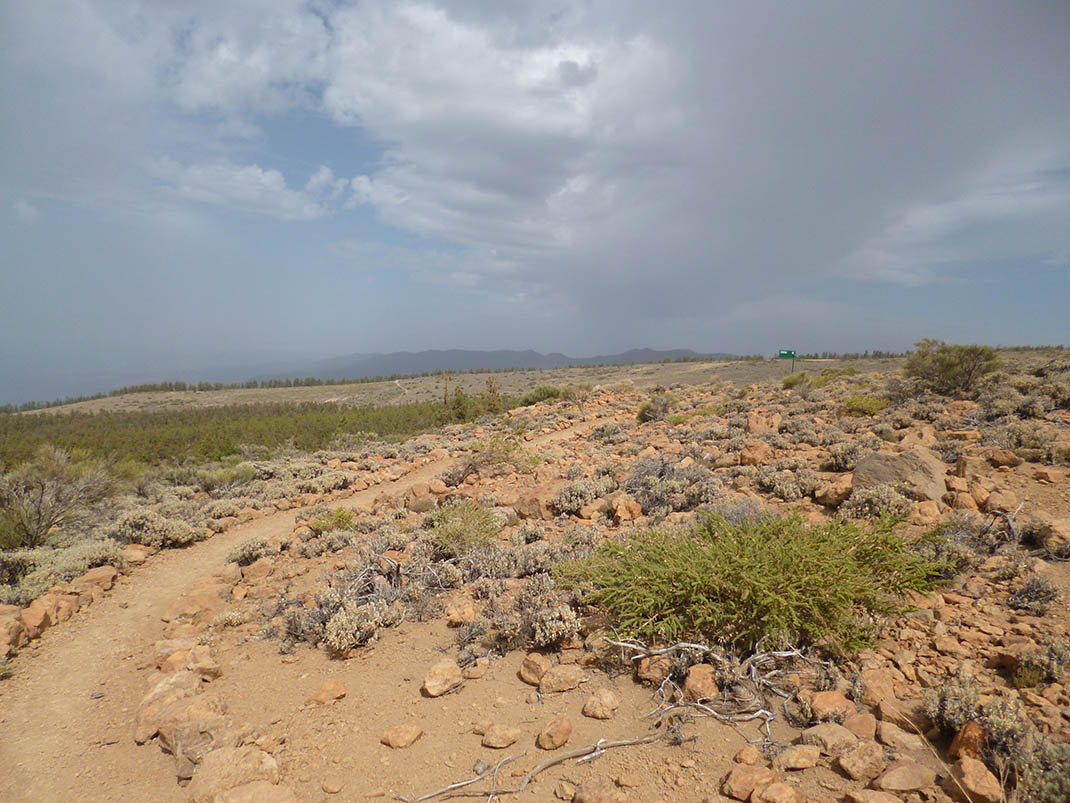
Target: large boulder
[[918, 472]]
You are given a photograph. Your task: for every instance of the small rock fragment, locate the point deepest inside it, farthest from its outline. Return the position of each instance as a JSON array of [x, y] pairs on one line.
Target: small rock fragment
[[603, 704], [555, 734], [800, 757], [401, 736], [500, 736], [744, 779], [535, 665], [443, 677], [562, 677], [329, 692]]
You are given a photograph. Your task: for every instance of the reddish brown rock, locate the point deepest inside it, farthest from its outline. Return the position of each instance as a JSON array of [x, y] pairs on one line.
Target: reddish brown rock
[[562, 677], [968, 742], [12, 635], [401, 736], [534, 666], [602, 704], [755, 453], [830, 737], [701, 683], [500, 736], [443, 677], [862, 762], [653, 670], [598, 791], [905, 776], [863, 725], [831, 705], [555, 734], [744, 779], [981, 785], [1003, 457], [778, 792], [626, 509], [330, 691], [836, 492], [800, 757]]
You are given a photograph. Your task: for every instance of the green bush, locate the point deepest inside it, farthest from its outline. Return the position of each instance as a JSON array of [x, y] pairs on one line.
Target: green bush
[[795, 380], [950, 369], [339, 518], [774, 581], [540, 394], [864, 405], [461, 526], [656, 408]]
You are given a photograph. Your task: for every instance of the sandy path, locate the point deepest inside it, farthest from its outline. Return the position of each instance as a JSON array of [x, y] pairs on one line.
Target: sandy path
[[66, 716]]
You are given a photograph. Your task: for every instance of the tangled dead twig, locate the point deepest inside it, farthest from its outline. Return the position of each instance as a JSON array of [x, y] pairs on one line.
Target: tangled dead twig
[[580, 754], [744, 699]]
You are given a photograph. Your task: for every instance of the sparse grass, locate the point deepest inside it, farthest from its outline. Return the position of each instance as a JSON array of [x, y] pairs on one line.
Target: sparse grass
[[461, 526], [656, 408], [339, 518], [776, 581], [864, 405]]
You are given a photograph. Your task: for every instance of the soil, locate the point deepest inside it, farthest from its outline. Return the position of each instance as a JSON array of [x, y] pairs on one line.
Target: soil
[[67, 713]]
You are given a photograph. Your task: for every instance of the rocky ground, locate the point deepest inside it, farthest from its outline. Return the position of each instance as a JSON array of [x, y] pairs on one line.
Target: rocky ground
[[361, 642]]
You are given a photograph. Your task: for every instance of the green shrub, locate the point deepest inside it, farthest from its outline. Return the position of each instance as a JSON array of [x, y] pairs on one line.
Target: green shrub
[[339, 518], [461, 526], [775, 581], [5, 670], [864, 405], [795, 380], [950, 369], [828, 375], [656, 408], [540, 394]]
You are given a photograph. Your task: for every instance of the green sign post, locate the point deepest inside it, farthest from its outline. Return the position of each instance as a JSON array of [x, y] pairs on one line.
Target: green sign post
[[784, 354]]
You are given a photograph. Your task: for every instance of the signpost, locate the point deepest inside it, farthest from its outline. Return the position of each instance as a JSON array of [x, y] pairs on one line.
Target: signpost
[[787, 355]]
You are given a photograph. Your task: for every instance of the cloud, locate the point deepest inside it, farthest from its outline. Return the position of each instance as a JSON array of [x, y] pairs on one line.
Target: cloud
[[26, 213], [584, 176], [249, 189]]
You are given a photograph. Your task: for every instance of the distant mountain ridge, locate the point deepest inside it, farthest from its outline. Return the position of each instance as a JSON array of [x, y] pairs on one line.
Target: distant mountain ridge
[[360, 366]]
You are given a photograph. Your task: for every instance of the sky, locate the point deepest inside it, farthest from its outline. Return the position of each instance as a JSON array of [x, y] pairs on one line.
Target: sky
[[188, 189]]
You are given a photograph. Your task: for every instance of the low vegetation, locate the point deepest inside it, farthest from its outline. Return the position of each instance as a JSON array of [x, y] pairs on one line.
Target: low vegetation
[[950, 369], [774, 581]]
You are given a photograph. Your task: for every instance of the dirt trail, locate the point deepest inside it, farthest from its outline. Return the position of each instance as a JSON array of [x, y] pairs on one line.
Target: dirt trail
[[66, 716]]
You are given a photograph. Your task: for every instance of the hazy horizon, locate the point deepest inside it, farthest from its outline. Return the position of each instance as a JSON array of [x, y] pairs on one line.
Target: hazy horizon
[[187, 187]]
